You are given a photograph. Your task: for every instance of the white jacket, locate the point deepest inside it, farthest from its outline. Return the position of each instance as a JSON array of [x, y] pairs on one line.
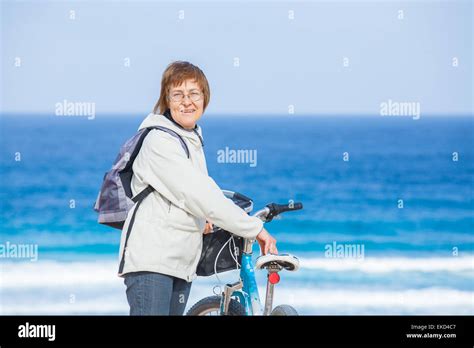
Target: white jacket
[[166, 236]]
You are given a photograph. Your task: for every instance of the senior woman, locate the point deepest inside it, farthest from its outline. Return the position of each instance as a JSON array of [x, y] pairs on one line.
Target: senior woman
[[164, 246]]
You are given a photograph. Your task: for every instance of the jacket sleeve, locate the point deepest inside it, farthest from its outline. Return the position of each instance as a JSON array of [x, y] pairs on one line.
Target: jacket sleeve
[[163, 164]]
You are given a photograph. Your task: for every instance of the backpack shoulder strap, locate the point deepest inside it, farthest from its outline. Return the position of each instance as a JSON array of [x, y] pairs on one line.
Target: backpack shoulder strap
[[141, 196], [146, 191], [176, 135]]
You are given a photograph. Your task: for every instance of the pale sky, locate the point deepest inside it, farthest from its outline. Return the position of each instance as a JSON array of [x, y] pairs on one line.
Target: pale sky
[[288, 54]]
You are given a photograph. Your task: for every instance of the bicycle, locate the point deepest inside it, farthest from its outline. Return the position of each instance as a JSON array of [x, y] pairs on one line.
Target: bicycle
[[242, 297]]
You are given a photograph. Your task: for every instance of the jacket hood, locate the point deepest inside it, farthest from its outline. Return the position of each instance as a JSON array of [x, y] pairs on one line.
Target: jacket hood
[[153, 120]]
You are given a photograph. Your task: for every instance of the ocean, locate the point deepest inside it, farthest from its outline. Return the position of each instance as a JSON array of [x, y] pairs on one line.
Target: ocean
[[397, 190]]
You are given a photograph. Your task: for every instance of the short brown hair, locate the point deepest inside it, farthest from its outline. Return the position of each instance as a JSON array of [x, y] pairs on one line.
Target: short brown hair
[[174, 75]]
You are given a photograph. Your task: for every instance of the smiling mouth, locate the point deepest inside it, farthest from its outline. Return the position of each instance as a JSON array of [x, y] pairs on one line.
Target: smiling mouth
[[188, 111]]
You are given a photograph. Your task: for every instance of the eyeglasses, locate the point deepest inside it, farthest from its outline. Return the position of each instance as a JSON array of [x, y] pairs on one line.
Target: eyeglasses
[[178, 96]]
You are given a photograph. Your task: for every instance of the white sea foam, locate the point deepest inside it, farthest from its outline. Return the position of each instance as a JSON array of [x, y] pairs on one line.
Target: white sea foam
[[48, 287], [391, 264], [310, 301], [354, 301], [52, 273]]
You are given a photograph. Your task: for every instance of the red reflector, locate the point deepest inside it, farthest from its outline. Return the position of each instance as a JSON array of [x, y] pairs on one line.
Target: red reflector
[[274, 278]]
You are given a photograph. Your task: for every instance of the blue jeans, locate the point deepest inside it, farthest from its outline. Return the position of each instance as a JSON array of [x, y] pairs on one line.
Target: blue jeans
[[150, 293]]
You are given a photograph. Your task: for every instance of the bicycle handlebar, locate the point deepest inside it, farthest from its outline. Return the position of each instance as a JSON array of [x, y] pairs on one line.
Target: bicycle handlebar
[[276, 209]]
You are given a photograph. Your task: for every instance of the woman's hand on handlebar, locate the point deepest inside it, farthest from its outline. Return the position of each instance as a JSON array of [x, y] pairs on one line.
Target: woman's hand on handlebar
[[267, 242]]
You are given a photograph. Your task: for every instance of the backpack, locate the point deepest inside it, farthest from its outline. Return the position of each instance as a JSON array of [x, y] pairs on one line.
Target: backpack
[[115, 198]]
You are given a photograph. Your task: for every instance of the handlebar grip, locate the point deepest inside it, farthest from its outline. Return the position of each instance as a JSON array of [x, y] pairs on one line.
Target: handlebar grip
[[297, 206], [276, 209]]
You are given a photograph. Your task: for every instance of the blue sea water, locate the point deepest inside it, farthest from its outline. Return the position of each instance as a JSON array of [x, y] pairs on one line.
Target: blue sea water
[[47, 196], [64, 159]]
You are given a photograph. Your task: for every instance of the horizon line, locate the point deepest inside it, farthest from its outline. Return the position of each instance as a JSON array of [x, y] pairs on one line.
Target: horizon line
[[136, 114]]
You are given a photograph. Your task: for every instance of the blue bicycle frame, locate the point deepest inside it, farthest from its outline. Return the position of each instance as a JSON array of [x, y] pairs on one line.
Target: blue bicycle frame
[[248, 291], [249, 297]]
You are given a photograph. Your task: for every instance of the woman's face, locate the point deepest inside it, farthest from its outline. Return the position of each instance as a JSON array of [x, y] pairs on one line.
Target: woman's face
[[186, 103]]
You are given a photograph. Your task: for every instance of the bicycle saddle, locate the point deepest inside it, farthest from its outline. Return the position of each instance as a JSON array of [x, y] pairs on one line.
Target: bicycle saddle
[[286, 261]]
